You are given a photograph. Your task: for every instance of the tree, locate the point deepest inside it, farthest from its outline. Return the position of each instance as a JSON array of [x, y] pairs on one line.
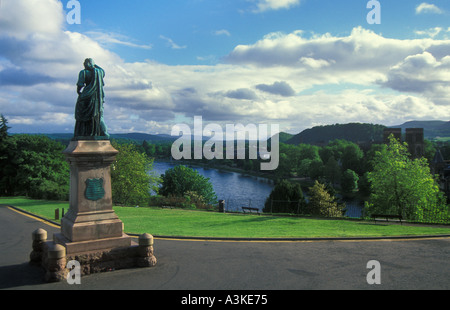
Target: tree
[[351, 157], [401, 185], [4, 162], [286, 197], [284, 167], [369, 159], [349, 182], [322, 203], [131, 178], [364, 185], [303, 169], [332, 170], [3, 128], [179, 180], [34, 166], [316, 169]]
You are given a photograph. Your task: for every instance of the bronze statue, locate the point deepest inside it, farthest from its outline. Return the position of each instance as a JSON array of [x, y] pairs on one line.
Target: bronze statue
[[89, 108]]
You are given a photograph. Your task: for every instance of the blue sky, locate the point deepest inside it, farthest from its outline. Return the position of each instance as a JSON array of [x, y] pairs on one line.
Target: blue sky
[[207, 30], [296, 63]]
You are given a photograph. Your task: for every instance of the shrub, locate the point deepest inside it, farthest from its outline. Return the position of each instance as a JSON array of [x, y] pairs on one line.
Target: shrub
[[322, 203], [286, 197], [181, 181]]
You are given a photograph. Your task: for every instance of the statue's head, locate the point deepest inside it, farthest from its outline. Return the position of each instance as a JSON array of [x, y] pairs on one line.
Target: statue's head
[[89, 64]]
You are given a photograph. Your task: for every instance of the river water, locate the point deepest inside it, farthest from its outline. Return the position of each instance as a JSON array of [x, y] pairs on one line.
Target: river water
[[238, 190]]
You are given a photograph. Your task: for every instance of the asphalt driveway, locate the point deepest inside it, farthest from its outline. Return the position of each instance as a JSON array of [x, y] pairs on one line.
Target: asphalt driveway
[[222, 265]]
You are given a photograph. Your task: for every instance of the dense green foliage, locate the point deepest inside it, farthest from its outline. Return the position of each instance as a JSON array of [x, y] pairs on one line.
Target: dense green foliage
[[181, 180], [131, 178], [401, 185], [349, 182], [33, 166], [157, 149], [322, 203], [286, 197]]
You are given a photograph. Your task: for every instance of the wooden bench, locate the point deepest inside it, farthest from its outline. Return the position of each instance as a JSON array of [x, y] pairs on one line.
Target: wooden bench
[[250, 209], [387, 217]]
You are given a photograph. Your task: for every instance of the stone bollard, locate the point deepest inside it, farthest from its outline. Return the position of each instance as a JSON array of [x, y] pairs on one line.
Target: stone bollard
[[56, 263], [145, 251], [39, 237]]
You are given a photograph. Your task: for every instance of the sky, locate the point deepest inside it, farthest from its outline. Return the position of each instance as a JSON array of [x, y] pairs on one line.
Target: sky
[[294, 63]]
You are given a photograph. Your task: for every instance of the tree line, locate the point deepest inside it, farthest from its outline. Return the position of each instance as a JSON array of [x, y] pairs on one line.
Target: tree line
[[384, 175], [34, 166]]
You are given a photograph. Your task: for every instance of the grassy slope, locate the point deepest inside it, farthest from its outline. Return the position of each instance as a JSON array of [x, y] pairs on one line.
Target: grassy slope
[[173, 222]]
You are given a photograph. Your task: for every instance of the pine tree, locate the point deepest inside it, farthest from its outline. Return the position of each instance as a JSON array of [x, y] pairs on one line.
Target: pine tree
[[322, 203]]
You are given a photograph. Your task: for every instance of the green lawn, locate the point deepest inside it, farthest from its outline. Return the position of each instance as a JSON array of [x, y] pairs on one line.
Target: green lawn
[[174, 222]]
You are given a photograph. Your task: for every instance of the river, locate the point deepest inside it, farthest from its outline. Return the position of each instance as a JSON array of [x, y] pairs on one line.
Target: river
[[238, 190]]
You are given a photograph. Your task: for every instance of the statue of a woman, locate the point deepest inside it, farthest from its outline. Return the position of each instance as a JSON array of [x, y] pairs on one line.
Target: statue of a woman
[[89, 108]]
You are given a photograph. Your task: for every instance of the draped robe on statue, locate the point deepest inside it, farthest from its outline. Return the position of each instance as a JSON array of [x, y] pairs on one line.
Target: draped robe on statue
[[89, 107]]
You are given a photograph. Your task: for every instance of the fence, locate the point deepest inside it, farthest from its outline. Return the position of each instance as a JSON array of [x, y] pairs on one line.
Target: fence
[[235, 205], [434, 216]]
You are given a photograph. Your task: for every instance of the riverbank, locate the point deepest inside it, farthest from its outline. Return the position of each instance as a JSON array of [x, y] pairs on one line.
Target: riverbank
[[199, 163], [235, 188]]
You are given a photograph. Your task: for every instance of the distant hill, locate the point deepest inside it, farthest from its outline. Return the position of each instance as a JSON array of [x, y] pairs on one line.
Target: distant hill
[[355, 132], [140, 137], [136, 137], [432, 129], [284, 137], [319, 135]]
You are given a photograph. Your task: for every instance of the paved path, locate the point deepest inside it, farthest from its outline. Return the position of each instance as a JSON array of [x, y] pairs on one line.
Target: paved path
[[209, 265]]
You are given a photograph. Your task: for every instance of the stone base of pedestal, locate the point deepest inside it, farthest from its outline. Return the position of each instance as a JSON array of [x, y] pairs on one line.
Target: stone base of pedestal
[[91, 245], [57, 256]]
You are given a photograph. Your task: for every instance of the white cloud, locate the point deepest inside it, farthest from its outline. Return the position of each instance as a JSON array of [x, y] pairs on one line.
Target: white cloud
[[266, 5], [114, 38], [172, 44], [289, 79], [362, 49], [422, 74], [428, 8], [222, 32], [432, 32], [314, 63], [21, 18]]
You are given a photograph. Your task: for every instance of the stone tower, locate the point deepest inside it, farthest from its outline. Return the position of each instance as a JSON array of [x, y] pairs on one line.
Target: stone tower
[[415, 139], [397, 132]]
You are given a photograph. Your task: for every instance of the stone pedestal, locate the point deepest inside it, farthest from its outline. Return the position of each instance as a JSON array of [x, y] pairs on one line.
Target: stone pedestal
[[91, 223], [91, 233]]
